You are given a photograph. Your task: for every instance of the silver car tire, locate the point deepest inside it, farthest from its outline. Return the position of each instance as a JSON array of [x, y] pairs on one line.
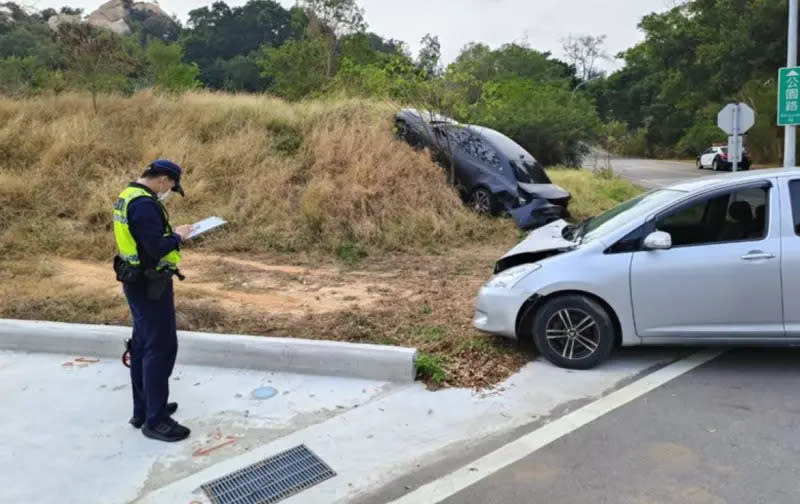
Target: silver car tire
[[573, 331]]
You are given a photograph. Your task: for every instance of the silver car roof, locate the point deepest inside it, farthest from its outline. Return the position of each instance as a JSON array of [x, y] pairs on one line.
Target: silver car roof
[[707, 183]]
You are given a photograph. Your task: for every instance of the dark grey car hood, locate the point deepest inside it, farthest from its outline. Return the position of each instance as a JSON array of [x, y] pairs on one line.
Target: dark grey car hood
[[546, 191]]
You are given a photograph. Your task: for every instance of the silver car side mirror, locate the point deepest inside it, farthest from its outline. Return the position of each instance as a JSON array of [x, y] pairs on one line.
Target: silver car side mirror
[[658, 240]]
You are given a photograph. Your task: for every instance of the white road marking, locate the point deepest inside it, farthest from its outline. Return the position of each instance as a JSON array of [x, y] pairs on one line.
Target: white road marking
[[449, 485]]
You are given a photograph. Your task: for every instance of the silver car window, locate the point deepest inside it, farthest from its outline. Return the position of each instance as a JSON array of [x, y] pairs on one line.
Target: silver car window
[[729, 217], [794, 192], [625, 213]]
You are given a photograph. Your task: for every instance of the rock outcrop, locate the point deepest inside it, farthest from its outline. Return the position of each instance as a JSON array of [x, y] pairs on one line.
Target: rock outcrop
[[55, 21], [116, 16]]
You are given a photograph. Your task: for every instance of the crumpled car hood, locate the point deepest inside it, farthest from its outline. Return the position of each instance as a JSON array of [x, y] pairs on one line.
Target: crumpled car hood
[[545, 238], [546, 191]]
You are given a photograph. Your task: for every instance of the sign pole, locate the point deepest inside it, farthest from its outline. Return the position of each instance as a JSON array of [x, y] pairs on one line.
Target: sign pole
[[735, 152], [790, 132]]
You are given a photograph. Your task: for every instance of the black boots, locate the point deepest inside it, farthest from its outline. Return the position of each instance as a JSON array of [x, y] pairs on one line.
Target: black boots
[[167, 430], [138, 422]]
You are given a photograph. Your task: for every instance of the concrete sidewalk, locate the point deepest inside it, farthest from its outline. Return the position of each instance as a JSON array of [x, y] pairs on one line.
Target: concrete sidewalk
[[65, 436]]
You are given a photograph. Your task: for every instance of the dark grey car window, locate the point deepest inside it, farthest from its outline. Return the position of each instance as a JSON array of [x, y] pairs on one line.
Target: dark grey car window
[[529, 173], [475, 147], [794, 192], [737, 216]]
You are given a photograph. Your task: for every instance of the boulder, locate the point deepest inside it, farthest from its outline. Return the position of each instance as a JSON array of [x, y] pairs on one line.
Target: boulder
[[111, 16], [115, 15], [55, 21]]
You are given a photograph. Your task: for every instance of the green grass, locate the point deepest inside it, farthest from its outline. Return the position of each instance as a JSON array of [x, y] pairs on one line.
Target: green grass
[[592, 192], [430, 367], [350, 253], [429, 333]]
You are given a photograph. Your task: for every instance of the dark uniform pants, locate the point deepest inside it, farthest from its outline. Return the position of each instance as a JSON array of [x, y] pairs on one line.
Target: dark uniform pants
[[154, 347]]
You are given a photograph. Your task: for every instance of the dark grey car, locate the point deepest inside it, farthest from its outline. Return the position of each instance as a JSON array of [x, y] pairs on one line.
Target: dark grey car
[[494, 174]]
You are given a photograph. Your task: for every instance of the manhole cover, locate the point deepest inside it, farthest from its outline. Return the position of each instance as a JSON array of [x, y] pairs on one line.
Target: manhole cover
[[263, 393], [271, 480]]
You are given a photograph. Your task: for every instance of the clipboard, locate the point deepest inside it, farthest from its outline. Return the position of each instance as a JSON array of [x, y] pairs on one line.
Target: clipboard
[[205, 226]]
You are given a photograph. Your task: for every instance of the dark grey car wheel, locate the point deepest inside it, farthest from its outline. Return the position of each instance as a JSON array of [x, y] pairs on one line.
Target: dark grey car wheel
[[573, 331], [482, 202]]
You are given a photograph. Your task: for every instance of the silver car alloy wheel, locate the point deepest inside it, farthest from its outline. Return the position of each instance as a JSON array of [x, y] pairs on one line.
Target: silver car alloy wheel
[[573, 334], [481, 202]]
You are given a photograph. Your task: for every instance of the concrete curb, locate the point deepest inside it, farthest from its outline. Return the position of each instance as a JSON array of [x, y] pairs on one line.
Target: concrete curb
[[326, 358]]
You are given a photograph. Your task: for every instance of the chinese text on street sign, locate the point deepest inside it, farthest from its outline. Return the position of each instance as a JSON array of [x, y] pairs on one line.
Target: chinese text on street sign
[[789, 96]]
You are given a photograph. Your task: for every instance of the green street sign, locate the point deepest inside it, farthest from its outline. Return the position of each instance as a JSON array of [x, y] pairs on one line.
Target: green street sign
[[789, 96]]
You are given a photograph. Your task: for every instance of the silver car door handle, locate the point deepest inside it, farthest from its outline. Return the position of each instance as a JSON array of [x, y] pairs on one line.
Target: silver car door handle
[[755, 256]]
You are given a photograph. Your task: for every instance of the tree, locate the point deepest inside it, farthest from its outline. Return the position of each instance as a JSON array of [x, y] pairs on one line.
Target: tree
[[583, 53], [70, 11], [169, 72], [331, 20], [18, 75], [368, 48], [97, 59], [683, 69], [430, 54], [477, 64], [393, 77], [297, 68], [243, 73], [220, 33], [544, 118]]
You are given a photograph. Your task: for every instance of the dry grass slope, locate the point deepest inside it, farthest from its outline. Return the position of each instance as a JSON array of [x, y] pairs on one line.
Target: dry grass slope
[[323, 175], [306, 185]]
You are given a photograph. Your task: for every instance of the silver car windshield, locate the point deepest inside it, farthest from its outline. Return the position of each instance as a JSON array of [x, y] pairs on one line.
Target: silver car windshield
[[624, 213]]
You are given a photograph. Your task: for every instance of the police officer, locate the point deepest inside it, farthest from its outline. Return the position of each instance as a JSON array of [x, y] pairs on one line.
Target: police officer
[[148, 257]]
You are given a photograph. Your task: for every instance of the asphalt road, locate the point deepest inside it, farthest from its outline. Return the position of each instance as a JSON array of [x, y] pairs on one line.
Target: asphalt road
[[726, 432], [649, 173]]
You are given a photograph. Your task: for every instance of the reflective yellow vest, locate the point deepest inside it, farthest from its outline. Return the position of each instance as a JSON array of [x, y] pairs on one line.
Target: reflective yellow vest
[[126, 245]]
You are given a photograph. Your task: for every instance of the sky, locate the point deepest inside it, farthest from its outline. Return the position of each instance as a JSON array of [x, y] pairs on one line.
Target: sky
[[542, 24]]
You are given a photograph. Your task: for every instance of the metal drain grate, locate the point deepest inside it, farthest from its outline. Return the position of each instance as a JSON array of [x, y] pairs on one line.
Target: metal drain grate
[[270, 480]]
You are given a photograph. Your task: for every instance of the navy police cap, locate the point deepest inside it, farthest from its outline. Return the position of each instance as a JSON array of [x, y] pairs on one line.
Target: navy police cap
[[168, 168]]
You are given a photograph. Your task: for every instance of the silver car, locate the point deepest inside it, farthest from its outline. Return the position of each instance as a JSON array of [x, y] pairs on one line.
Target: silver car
[[716, 260]]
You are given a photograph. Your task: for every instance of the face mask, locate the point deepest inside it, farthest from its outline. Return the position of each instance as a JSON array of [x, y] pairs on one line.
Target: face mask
[[162, 196]]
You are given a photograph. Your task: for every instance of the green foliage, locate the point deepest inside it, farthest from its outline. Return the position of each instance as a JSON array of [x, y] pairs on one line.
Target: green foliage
[[221, 32], [242, 73], [169, 73], [429, 333], [396, 77], [687, 62], [764, 140], [663, 102], [480, 64], [633, 143], [544, 118], [297, 68], [18, 76], [350, 253], [430, 367], [98, 60], [429, 55]]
